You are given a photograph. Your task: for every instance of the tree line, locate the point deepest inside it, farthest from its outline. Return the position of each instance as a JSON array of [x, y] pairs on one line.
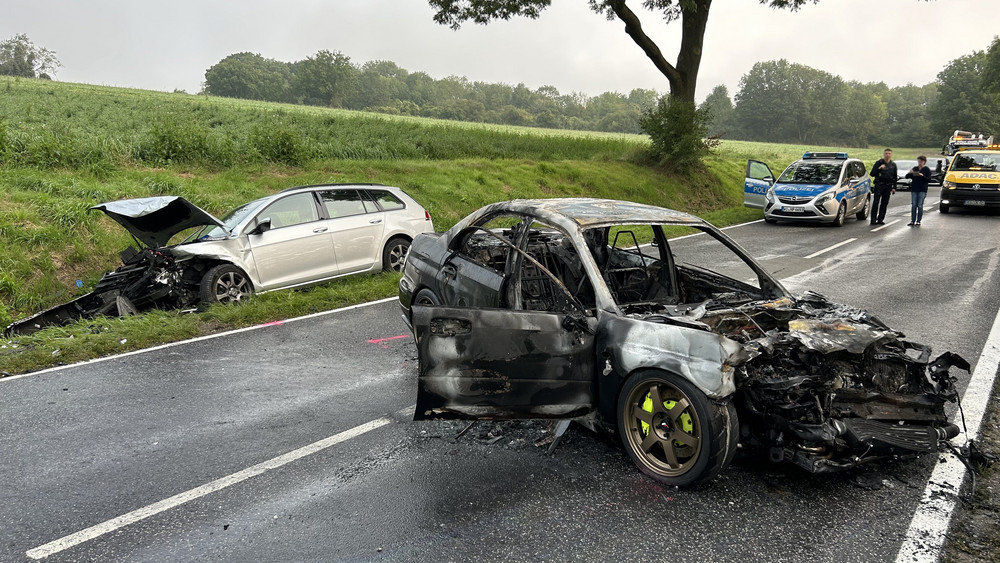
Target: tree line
[[784, 102], [777, 101], [330, 79]]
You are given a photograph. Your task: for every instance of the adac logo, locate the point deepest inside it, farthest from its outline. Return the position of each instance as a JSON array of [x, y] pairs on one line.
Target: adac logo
[[975, 175]]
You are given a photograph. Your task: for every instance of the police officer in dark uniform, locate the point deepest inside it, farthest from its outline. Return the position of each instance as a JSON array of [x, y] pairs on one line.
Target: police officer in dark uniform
[[884, 173]]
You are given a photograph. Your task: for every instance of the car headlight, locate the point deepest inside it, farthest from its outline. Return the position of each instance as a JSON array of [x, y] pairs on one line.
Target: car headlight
[[826, 196], [949, 185], [769, 196]]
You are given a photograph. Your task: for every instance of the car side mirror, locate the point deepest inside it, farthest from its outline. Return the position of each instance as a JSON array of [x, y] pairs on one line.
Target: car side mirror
[[768, 179], [262, 227]]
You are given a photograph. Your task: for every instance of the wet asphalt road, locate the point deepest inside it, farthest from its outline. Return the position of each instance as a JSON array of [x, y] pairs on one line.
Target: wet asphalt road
[[90, 443]]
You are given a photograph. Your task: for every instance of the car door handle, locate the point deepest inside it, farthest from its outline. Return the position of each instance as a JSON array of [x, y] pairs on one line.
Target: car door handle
[[375, 221], [320, 230]]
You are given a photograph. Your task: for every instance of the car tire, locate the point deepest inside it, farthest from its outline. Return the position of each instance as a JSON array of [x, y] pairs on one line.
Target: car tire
[[770, 221], [425, 297], [225, 283], [943, 208], [394, 254], [686, 440], [863, 214], [838, 221]]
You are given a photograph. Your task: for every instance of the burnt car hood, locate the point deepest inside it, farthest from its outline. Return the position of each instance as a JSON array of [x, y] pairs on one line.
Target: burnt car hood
[[154, 220], [779, 336]]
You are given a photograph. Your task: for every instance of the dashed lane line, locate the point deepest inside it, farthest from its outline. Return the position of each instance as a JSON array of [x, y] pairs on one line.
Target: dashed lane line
[[886, 226], [829, 248], [108, 526]]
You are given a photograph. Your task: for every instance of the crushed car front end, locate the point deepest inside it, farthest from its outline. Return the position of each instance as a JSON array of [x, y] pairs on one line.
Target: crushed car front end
[[829, 387], [154, 276]]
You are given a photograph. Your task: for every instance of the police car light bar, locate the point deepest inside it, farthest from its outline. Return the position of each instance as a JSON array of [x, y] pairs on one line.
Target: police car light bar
[[837, 155]]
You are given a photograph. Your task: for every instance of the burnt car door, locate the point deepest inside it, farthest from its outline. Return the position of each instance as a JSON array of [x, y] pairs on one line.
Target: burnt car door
[[474, 275], [532, 357], [758, 180]]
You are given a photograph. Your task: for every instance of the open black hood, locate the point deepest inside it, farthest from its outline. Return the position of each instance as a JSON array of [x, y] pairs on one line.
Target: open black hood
[[153, 220]]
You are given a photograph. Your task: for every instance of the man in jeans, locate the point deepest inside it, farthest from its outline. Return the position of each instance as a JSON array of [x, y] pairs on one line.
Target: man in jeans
[[884, 173], [919, 177]]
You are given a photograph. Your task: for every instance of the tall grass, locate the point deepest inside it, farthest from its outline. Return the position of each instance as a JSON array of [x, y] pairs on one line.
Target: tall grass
[[48, 125]]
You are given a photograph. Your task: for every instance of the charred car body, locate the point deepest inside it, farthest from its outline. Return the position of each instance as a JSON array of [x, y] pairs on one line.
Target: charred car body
[[297, 237], [580, 308]]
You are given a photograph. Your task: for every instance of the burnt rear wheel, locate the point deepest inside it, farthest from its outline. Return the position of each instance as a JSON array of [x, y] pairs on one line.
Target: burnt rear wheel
[[225, 284], [672, 432]]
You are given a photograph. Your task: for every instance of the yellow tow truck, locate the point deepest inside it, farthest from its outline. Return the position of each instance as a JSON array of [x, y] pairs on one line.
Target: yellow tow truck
[[973, 178]]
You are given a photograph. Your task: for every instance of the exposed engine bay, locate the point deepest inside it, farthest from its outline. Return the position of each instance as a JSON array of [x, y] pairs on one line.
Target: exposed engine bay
[[147, 279]]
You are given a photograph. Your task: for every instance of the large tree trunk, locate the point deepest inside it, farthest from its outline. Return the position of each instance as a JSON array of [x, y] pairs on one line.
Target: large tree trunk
[[684, 77]]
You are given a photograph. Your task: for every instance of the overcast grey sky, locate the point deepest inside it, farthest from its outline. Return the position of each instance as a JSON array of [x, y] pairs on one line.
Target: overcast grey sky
[[169, 45]]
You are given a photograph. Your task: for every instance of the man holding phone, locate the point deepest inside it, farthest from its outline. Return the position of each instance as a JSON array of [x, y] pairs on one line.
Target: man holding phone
[[919, 176]]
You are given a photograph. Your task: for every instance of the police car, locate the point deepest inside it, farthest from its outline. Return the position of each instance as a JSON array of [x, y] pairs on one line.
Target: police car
[[821, 186]]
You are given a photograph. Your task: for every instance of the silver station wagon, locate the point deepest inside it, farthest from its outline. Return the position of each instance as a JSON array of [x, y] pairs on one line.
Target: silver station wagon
[[297, 237]]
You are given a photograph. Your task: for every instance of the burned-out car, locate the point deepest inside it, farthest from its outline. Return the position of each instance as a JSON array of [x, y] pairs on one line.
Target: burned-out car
[[297, 237], [583, 309]]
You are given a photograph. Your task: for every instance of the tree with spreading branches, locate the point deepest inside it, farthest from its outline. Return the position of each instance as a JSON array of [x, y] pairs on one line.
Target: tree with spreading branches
[[20, 57], [693, 15]]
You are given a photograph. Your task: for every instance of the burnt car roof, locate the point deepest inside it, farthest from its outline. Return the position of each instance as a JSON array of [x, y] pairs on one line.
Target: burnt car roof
[[590, 212], [153, 220]]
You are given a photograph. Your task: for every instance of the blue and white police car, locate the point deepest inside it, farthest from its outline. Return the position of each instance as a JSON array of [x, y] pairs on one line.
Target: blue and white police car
[[821, 186]]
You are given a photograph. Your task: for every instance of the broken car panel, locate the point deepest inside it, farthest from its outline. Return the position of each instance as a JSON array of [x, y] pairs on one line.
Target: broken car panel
[[299, 236], [583, 308]]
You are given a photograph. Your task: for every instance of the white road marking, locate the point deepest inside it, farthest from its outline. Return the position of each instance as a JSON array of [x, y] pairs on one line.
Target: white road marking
[[199, 338], [829, 248], [886, 226], [699, 233], [929, 526], [105, 527]]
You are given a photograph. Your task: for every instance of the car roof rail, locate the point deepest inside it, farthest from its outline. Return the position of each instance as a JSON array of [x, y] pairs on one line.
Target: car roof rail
[[332, 185]]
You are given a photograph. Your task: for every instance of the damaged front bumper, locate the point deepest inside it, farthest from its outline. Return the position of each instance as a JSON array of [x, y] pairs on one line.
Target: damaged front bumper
[[147, 279], [829, 387]]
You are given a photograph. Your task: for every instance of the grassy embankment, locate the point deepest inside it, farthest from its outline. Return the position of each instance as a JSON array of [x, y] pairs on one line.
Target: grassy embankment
[[66, 147]]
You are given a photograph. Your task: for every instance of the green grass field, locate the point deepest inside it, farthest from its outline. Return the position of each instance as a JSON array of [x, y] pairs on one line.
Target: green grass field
[[67, 147]]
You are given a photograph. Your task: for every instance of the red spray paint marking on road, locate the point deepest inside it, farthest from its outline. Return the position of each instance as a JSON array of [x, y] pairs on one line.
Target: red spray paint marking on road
[[381, 340], [274, 323]]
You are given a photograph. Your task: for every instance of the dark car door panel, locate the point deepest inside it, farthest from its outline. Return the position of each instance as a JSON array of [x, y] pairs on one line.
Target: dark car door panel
[[502, 364], [467, 283]]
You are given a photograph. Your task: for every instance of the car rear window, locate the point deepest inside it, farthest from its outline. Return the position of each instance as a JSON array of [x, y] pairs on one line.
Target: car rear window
[[386, 200], [342, 203]]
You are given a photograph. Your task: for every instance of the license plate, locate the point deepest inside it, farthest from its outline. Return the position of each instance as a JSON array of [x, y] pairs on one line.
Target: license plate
[[788, 209], [978, 202]]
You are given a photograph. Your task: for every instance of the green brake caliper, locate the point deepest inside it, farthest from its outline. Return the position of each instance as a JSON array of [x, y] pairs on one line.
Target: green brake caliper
[[686, 423]]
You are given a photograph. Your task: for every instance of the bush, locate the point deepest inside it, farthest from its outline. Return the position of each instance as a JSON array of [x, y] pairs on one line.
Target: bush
[[678, 131]]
